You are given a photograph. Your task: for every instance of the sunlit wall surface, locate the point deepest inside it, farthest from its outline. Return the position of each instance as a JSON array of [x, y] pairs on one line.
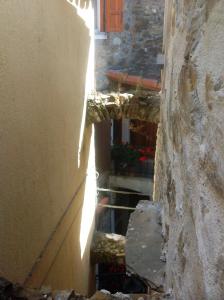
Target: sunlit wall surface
[[88, 209], [46, 73]]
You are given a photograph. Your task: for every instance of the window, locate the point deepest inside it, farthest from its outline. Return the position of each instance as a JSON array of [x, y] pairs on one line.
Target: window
[[109, 15]]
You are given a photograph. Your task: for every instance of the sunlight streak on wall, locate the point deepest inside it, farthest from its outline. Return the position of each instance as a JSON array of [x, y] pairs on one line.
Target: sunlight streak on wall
[[89, 203], [89, 88], [86, 11]]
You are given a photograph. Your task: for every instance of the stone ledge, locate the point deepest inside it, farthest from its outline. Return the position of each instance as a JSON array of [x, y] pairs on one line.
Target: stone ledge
[[144, 106]]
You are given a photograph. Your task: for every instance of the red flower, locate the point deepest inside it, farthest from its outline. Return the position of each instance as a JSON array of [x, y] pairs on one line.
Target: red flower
[[143, 158], [149, 151]]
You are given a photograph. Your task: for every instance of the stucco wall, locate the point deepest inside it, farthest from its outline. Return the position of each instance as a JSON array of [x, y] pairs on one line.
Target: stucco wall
[[189, 165], [44, 52]]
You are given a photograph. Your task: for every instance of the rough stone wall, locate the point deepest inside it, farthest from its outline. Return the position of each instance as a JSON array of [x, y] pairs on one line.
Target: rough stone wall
[[189, 167], [135, 49]]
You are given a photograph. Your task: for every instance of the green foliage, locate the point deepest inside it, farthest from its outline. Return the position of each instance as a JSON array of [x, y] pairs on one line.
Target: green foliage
[[124, 153]]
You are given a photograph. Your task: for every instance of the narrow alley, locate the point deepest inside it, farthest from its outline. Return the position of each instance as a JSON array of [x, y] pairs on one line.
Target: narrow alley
[[111, 134]]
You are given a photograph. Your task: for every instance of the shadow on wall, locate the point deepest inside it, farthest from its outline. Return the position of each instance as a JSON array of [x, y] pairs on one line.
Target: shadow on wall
[[85, 10], [77, 240], [81, 3], [65, 263], [43, 95]]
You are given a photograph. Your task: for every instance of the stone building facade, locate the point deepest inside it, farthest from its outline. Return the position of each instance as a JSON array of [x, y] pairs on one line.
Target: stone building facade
[[190, 153], [137, 49]]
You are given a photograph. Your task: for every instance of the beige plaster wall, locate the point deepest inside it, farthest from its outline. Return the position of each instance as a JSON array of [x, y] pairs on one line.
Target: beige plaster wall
[[44, 52]]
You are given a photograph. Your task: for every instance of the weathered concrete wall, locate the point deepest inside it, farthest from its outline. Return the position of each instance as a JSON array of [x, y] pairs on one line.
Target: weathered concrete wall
[[189, 165], [44, 50], [135, 49]]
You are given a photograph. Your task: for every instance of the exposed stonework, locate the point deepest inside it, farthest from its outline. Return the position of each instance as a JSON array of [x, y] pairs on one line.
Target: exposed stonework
[[144, 107], [108, 248], [190, 153], [135, 49]]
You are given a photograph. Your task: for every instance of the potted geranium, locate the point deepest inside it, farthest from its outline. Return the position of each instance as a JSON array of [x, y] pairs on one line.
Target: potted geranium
[[124, 155], [132, 159], [146, 160]]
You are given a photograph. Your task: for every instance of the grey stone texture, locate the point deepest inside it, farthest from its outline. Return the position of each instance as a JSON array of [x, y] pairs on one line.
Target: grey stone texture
[[144, 243], [104, 107], [135, 49], [189, 179]]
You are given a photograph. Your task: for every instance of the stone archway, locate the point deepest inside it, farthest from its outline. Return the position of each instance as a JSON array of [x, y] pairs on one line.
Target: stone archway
[[144, 106]]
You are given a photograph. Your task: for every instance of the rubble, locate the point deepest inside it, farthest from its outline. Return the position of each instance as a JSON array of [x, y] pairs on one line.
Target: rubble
[[108, 248], [105, 295], [10, 291]]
